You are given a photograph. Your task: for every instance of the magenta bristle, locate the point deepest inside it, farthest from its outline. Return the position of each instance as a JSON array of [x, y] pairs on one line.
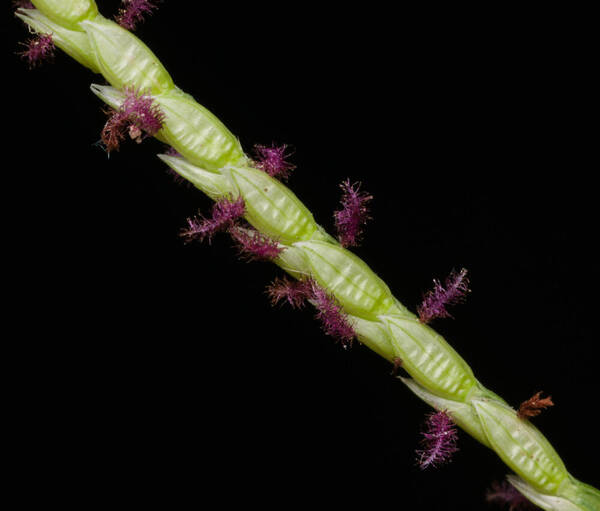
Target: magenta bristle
[[506, 493], [295, 292], [113, 132], [132, 12], [224, 214], [142, 111], [38, 49], [434, 304], [351, 219], [22, 4], [333, 320], [329, 312], [272, 160], [138, 116], [439, 441], [171, 151], [254, 246]]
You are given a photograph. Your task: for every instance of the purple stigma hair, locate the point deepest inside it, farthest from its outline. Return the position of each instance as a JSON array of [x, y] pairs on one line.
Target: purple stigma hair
[[38, 49], [224, 214], [434, 304], [253, 245], [506, 493], [439, 441], [333, 320], [138, 116], [272, 160], [133, 12], [351, 219]]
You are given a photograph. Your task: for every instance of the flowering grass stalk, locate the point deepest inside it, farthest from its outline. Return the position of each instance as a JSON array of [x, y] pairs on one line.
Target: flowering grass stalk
[[350, 299]]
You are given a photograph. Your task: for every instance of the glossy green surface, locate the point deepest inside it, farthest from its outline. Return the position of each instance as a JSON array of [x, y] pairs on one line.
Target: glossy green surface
[[123, 59], [429, 359], [197, 134], [373, 335], [67, 13], [271, 207], [212, 184], [521, 446], [358, 289]]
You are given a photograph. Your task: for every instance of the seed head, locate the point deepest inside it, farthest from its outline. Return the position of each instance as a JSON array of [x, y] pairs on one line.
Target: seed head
[[272, 160], [439, 441], [38, 49], [132, 12], [434, 304], [351, 219], [224, 214]]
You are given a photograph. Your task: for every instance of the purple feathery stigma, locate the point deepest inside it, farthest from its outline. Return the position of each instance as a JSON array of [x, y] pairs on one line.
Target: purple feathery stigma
[[38, 49], [506, 493], [351, 219], [333, 320], [272, 160], [224, 214], [132, 12], [439, 441], [254, 246], [434, 304], [295, 292], [142, 112], [138, 116], [171, 151], [22, 4]]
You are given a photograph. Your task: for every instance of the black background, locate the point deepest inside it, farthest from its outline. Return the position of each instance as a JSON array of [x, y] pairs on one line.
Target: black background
[[150, 371]]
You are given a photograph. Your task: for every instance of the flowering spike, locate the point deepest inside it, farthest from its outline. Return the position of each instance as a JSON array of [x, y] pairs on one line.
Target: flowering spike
[[351, 219], [132, 12], [254, 246], [534, 406], [506, 493], [295, 292], [272, 160], [435, 301], [439, 440], [39, 48], [333, 320], [137, 116], [224, 213]]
